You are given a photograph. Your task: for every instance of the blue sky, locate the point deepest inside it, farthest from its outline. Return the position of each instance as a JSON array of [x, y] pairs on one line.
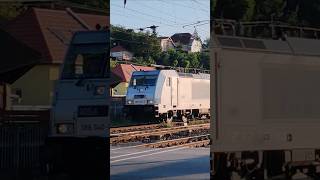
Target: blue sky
[[172, 16]]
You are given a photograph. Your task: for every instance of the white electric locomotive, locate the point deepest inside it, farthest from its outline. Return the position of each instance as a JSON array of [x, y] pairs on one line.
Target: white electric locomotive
[[168, 94]]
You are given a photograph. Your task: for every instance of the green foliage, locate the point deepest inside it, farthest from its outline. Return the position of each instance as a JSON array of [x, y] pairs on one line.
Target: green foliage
[[184, 59], [266, 10], [113, 64], [231, 9], [294, 12], [249, 15], [144, 45], [146, 49], [101, 4], [309, 12], [9, 11]]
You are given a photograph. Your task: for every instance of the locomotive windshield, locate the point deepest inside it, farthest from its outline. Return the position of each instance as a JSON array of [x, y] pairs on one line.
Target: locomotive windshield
[[86, 61], [143, 80]]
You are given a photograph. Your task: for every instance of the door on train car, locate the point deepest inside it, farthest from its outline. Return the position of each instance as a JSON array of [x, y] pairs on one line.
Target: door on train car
[[174, 91], [81, 102]]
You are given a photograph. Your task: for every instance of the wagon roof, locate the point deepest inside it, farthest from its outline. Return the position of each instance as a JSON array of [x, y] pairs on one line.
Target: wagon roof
[[292, 45]]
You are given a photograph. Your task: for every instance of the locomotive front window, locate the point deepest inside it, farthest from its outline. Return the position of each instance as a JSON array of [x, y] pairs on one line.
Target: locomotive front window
[[86, 62], [141, 80]]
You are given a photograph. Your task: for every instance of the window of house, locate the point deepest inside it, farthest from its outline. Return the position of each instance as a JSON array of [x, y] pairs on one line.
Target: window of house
[[18, 92], [16, 95]]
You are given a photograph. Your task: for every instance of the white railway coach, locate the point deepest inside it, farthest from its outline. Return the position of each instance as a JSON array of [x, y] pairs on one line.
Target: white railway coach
[[266, 106], [168, 94]]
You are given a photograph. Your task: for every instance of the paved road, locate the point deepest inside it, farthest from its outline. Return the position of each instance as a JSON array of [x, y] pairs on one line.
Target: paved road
[[159, 164]]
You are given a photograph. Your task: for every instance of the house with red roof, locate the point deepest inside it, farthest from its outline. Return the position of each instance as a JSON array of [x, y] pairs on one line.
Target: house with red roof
[[21, 61], [47, 31], [121, 76], [120, 53]]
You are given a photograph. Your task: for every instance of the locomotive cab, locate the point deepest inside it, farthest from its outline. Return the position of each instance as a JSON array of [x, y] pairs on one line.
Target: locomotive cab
[[142, 88], [79, 128], [80, 107], [141, 95]]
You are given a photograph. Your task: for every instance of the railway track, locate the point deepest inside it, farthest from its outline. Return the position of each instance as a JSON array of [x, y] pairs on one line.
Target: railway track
[[161, 147], [193, 141], [156, 134], [115, 130]]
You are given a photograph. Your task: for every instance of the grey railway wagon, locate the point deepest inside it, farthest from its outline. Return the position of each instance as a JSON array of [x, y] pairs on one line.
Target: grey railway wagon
[[266, 105]]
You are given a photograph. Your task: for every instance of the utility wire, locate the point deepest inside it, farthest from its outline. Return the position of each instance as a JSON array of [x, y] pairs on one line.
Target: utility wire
[[161, 11], [143, 13], [183, 5], [203, 5], [147, 20]]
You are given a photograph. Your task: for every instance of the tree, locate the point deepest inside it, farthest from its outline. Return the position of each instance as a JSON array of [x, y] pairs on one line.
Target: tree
[[9, 11], [230, 9], [194, 60], [101, 4], [249, 15], [204, 60], [267, 10], [309, 12], [141, 44]]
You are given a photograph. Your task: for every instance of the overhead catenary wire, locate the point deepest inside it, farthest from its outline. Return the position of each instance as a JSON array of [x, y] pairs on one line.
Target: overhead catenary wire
[[146, 14], [166, 13], [147, 20], [137, 33], [203, 5], [150, 19], [183, 5], [133, 41], [160, 21]]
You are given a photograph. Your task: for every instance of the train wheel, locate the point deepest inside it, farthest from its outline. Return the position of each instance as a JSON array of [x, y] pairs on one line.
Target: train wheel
[[256, 174], [221, 170]]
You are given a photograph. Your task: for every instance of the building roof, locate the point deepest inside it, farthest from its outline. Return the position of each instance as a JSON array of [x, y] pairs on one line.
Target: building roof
[[118, 49], [163, 37], [13, 64], [124, 71], [183, 38], [49, 31]]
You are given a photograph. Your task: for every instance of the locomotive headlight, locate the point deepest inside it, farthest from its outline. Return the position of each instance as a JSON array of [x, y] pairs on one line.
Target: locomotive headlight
[[150, 102], [129, 102], [100, 90], [64, 128]]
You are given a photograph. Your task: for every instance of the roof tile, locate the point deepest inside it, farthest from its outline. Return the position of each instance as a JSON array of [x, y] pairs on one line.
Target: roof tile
[[124, 71], [49, 31]]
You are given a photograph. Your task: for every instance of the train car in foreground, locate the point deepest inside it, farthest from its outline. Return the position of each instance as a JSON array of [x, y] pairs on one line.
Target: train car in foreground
[[266, 105], [168, 94], [79, 130]]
